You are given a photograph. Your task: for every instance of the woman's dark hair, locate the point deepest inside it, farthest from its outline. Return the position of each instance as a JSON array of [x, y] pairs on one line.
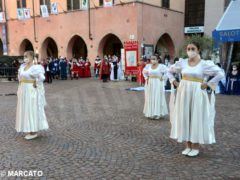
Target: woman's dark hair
[[30, 53], [195, 43]]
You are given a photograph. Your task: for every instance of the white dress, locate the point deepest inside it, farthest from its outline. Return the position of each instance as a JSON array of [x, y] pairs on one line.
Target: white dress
[[155, 105], [191, 113], [30, 116]]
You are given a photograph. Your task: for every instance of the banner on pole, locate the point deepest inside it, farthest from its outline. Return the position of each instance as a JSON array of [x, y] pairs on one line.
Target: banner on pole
[[2, 17], [26, 13], [44, 11], [108, 3], [84, 4], [54, 8], [20, 14]]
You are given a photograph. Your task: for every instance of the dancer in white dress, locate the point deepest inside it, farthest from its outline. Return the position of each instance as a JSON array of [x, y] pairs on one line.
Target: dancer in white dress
[[192, 114], [155, 102], [30, 117]]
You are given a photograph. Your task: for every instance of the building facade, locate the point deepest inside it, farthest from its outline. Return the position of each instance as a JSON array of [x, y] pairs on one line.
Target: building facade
[[75, 32], [202, 17]]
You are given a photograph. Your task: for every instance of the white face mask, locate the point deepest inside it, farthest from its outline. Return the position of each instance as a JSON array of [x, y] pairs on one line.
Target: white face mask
[[26, 60], [234, 68], [192, 54], [154, 61]]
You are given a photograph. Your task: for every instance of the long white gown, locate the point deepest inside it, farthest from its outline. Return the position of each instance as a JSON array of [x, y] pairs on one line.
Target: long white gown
[[30, 116], [155, 105], [192, 113]]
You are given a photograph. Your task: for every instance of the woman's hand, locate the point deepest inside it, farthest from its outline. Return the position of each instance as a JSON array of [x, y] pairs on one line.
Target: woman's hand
[[204, 86], [175, 83]]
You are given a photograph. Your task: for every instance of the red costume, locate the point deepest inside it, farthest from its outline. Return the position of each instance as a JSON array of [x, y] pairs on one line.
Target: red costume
[[104, 70], [87, 72], [140, 77], [75, 70], [81, 69]]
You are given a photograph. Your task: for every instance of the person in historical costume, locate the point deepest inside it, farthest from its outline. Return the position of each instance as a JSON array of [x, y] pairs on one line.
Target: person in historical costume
[[140, 77], [97, 66], [30, 116], [104, 70], [81, 69], [233, 81], [192, 113], [120, 69], [74, 69], [114, 70], [87, 72], [63, 68], [155, 105]]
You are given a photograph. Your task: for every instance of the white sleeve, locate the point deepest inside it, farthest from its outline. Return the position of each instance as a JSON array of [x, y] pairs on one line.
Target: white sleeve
[[210, 69], [145, 71], [175, 68], [37, 71]]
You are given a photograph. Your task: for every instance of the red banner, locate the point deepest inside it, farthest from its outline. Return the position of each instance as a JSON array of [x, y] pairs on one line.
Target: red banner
[[131, 57]]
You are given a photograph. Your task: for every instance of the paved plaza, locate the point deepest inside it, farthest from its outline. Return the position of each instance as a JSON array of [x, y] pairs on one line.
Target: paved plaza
[[98, 131]]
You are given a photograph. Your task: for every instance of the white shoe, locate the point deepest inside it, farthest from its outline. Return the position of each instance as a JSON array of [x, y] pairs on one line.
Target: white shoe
[[186, 151], [193, 153], [29, 136]]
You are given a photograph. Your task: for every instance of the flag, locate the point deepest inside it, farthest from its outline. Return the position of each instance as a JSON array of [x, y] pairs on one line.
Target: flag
[[2, 17], [20, 14], [54, 8], [26, 13], [108, 3], [84, 4], [44, 11]]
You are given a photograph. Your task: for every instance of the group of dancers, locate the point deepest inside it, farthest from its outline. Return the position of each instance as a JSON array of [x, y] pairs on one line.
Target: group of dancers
[[191, 112]]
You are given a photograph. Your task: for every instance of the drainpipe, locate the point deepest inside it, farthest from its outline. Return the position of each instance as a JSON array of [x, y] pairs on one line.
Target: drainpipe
[[89, 21], [34, 22], [5, 32]]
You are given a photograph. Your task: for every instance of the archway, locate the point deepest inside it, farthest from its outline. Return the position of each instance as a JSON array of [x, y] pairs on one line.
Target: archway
[[49, 48], [110, 45], [165, 46], [77, 48], [1, 48], [26, 45]]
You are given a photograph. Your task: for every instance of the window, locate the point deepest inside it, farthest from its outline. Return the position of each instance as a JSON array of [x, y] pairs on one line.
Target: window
[[1, 8], [73, 4], [194, 13], [100, 2], [21, 4], [165, 3], [46, 2]]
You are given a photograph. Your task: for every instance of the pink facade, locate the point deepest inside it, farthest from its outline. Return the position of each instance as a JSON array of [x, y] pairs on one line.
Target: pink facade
[[67, 34]]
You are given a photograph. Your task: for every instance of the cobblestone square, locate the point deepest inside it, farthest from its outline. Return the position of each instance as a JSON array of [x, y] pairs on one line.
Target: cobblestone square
[[98, 131]]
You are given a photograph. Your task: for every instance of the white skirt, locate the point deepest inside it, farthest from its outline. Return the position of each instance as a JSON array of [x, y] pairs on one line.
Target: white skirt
[[192, 115], [155, 102], [30, 115]]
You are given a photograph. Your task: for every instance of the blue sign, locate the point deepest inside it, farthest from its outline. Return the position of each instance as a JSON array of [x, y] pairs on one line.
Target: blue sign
[[227, 35]]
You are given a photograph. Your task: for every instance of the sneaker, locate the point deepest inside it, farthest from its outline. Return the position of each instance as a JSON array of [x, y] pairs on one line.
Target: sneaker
[[193, 153], [29, 136], [186, 151]]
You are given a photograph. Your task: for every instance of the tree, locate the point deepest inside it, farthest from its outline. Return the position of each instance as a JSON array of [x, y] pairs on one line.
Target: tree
[[205, 42]]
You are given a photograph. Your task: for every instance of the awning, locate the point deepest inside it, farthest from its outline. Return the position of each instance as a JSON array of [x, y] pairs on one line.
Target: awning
[[228, 28]]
